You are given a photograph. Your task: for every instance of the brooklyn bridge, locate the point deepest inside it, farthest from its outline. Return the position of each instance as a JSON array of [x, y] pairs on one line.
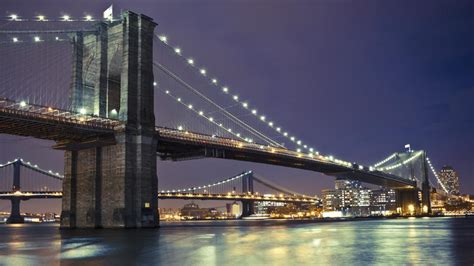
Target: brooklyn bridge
[[106, 125]]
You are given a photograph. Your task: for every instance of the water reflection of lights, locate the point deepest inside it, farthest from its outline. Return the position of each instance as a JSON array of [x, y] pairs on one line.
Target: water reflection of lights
[[82, 249]]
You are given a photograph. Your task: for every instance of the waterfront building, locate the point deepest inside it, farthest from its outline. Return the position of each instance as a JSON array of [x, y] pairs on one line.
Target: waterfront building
[[352, 199], [192, 211], [449, 177]]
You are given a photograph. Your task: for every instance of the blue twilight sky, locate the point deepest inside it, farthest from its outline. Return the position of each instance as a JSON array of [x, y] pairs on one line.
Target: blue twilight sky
[[356, 79]]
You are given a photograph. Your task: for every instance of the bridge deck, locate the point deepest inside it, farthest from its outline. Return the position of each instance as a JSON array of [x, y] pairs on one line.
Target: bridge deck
[[63, 126]]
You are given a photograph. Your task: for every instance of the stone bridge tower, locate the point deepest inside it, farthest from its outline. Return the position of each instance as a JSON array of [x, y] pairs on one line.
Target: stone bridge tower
[[112, 182]]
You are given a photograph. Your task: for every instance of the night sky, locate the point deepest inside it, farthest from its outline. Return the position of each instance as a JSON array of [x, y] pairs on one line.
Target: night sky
[[356, 79]]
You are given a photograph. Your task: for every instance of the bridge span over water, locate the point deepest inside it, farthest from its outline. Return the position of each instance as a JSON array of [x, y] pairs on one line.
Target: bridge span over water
[[105, 121]]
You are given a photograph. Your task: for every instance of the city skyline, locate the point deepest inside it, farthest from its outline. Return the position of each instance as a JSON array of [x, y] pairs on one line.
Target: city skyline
[[445, 134]]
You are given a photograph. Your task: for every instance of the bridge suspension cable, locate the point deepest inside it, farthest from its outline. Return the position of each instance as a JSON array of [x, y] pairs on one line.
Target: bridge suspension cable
[[202, 114], [227, 180], [436, 175], [220, 108], [390, 157], [225, 89]]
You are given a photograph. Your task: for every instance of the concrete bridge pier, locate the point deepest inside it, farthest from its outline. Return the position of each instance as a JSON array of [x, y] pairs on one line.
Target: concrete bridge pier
[[114, 185], [15, 217]]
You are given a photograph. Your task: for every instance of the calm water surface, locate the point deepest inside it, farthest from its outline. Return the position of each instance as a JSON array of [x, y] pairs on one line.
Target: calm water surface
[[384, 242]]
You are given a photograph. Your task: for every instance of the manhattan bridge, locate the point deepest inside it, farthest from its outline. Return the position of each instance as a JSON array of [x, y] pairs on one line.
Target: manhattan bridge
[[94, 87]]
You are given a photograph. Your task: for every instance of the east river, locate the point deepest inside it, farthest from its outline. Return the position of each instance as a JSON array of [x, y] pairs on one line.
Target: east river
[[431, 241]]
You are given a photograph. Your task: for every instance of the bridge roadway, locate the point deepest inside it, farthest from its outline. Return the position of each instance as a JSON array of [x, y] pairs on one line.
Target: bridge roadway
[[74, 131], [25, 195], [236, 197]]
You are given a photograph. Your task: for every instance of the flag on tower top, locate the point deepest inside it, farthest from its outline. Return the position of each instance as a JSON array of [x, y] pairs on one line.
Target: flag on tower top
[[109, 13]]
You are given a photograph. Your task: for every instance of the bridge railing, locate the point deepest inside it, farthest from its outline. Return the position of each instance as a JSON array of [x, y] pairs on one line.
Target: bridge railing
[[33, 111]]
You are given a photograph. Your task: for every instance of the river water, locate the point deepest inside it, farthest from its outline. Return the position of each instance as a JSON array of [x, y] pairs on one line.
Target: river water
[[382, 242]]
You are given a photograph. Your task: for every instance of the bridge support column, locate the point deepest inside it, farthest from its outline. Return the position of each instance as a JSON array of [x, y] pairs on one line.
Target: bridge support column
[[116, 185], [408, 201], [248, 207], [15, 217]]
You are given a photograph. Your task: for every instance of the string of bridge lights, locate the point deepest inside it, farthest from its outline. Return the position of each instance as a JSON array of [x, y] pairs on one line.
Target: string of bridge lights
[[208, 185], [35, 167], [37, 39], [384, 160], [436, 175], [63, 18], [244, 104], [416, 155], [225, 89], [202, 114]]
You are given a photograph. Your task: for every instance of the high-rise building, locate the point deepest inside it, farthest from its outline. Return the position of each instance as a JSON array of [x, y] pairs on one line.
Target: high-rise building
[[450, 179]]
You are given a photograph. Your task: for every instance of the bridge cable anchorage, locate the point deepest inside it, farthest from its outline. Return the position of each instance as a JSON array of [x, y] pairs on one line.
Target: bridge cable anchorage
[[224, 112], [243, 104], [202, 114], [436, 175]]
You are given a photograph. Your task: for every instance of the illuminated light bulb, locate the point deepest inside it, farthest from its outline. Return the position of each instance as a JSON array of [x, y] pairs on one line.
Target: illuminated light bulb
[[220, 124], [163, 38], [270, 124], [230, 130], [298, 150], [41, 18], [311, 149], [57, 38], [285, 134], [254, 111], [14, 17], [167, 92], [298, 142], [190, 106], [262, 118], [37, 39], [278, 129], [113, 112], [238, 134], [22, 103], [236, 97], [88, 18], [203, 71], [190, 61], [214, 81], [201, 113], [66, 18], [154, 83], [305, 146], [180, 127], [211, 119], [82, 111], [245, 105], [331, 158], [177, 50], [292, 138], [225, 89], [15, 39], [261, 147], [179, 99]]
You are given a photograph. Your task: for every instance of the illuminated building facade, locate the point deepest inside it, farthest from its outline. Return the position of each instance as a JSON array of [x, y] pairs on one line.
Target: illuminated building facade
[[450, 179], [352, 199]]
